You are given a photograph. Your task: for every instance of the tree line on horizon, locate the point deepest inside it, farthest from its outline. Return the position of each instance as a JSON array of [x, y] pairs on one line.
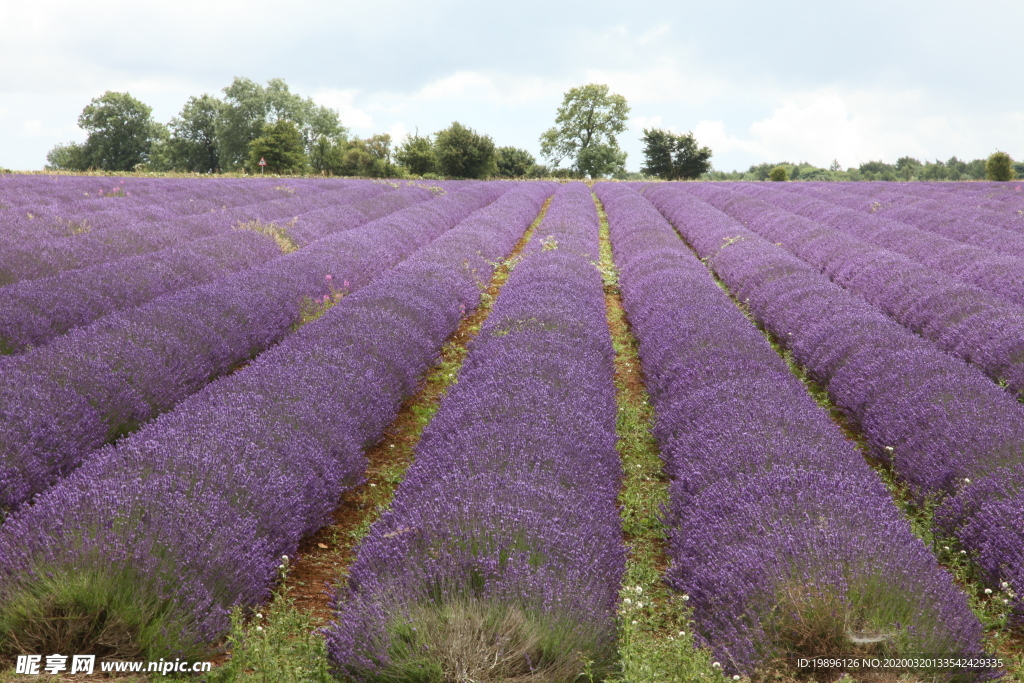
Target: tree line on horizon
[[293, 135], [998, 166]]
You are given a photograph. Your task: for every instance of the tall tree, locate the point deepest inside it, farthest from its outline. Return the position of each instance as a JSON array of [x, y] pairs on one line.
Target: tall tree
[[281, 146], [514, 162], [121, 131], [369, 157], [463, 153], [908, 167], [674, 157], [193, 142], [67, 157], [999, 166], [416, 153], [250, 106], [585, 131]]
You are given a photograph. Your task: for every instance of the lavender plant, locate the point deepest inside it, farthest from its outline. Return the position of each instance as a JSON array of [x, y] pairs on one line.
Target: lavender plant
[[938, 212], [978, 326], [501, 555], [783, 538], [65, 236], [146, 548], [101, 381], [940, 425], [1002, 276], [33, 312]]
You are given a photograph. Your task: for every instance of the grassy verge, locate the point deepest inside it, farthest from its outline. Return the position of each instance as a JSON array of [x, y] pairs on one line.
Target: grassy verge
[[655, 635], [281, 643]]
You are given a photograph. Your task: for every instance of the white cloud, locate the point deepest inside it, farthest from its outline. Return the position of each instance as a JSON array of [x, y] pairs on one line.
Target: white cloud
[[852, 127], [398, 132], [501, 89], [638, 123], [663, 81], [457, 85], [344, 101], [654, 35], [712, 134]]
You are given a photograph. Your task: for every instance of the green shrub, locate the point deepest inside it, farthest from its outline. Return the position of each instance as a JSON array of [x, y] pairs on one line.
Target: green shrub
[[464, 153], [999, 167], [281, 146], [514, 162], [778, 174], [416, 153]]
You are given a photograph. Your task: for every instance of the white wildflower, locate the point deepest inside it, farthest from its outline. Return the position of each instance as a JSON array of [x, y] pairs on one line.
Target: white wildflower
[[716, 665], [988, 591]]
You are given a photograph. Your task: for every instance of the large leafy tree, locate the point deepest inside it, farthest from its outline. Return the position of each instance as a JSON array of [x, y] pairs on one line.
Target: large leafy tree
[[514, 162], [463, 153], [193, 142], [369, 157], [67, 157], [674, 157], [249, 107], [908, 167], [585, 131], [999, 166], [121, 132], [416, 153], [281, 146]]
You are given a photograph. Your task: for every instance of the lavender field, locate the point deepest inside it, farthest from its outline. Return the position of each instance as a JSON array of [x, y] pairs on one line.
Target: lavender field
[[655, 431]]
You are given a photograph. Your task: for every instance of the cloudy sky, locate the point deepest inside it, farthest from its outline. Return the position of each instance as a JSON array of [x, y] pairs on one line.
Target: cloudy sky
[[755, 81]]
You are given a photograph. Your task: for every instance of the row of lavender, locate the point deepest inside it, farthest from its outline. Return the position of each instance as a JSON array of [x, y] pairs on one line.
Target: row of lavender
[[996, 206], [32, 312], [34, 245], [506, 525], [80, 208], [774, 515], [938, 212], [1000, 275], [948, 432], [978, 326], [70, 396], [182, 195], [163, 532]]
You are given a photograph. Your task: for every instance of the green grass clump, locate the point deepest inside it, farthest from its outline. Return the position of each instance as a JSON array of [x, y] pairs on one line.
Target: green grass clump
[[279, 233], [93, 611], [466, 639], [276, 645]]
